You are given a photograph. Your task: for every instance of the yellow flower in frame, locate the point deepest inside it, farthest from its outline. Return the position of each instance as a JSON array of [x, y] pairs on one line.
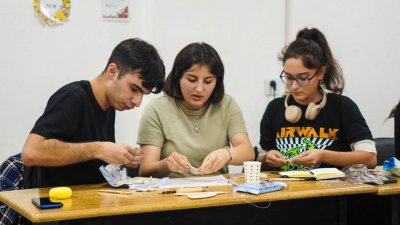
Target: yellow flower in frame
[[60, 16]]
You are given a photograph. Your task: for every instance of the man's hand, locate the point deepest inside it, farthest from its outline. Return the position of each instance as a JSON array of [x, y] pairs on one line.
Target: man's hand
[[137, 157], [121, 154]]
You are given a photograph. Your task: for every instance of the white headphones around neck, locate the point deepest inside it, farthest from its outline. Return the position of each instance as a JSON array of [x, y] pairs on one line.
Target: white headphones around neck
[[293, 113]]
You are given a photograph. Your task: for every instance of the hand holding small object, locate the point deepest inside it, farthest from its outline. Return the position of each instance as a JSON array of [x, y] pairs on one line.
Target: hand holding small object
[[275, 158], [214, 161], [178, 163]]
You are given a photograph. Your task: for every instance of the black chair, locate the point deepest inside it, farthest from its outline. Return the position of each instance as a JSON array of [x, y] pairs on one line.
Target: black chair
[[384, 148]]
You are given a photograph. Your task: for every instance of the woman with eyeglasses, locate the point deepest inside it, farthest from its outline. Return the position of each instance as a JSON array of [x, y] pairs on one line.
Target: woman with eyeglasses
[[314, 125]]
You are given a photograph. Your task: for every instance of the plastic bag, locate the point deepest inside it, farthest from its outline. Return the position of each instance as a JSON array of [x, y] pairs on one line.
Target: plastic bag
[[359, 174], [259, 188], [116, 177], [392, 165]]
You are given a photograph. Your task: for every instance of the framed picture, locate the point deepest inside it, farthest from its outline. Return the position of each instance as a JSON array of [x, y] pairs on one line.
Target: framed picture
[[115, 10], [52, 12]]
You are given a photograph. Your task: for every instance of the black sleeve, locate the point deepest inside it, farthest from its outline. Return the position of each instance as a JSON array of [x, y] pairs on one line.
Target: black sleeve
[[354, 125], [61, 117]]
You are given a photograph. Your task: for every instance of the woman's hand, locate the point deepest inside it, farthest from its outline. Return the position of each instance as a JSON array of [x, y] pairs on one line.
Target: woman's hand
[[308, 158], [215, 161], [275, 158], [178, 163]]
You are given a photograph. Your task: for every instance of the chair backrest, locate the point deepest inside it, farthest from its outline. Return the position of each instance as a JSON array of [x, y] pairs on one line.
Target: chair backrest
[[384, 148]]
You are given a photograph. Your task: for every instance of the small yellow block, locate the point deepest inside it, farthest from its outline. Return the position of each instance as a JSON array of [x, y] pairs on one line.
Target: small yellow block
[[60, 193]]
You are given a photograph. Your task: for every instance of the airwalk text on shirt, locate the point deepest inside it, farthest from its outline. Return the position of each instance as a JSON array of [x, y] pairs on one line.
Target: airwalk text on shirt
[[291, 141], [310, 132]]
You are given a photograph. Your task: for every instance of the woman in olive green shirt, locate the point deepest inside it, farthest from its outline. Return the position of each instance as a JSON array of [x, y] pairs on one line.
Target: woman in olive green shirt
[[195, 122]]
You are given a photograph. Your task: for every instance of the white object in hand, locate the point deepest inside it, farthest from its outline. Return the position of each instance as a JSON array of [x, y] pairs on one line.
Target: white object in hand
[[194, 170]]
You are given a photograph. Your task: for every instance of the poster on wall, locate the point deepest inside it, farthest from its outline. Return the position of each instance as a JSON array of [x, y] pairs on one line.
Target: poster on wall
[[52, 12], [115, 10]]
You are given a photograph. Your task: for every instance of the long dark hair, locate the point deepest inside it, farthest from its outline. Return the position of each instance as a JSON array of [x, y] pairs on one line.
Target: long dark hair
[[312, 48], [397, 107], [196, 53]]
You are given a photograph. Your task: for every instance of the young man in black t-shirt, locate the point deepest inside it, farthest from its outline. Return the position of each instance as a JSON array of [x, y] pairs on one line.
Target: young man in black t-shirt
[[75, 135]]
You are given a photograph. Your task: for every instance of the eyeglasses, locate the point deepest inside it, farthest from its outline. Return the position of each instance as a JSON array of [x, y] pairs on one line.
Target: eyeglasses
[[302, 80]]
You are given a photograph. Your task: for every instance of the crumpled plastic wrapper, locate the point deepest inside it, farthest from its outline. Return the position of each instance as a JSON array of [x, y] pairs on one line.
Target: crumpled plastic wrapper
[[392, 165], [359, 174], [115, 176]]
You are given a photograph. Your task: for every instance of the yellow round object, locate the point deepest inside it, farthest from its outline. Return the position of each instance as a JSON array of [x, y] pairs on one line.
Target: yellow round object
[[60, 192]]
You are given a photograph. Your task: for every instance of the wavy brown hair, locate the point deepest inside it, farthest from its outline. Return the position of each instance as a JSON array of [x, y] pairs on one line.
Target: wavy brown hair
[[312, 48]]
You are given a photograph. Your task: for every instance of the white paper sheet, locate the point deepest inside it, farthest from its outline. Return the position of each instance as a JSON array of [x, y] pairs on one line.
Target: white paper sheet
[[218, 180]]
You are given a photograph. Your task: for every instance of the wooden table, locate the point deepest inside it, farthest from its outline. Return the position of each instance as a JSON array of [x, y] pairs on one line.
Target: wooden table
[[88, 202]]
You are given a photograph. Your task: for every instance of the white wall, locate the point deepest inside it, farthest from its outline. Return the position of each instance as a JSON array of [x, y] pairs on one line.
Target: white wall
[[364, 38], [247, 36], [36, 60]]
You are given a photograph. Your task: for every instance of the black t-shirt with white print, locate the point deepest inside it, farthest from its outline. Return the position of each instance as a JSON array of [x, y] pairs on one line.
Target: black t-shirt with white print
[[339, 124]]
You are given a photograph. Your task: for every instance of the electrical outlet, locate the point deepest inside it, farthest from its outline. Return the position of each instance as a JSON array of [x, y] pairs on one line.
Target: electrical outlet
[[270, 85]]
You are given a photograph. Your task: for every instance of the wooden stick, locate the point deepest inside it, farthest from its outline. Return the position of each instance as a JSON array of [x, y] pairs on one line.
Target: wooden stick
[[189, 189], [286, 179], [117, 192]]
